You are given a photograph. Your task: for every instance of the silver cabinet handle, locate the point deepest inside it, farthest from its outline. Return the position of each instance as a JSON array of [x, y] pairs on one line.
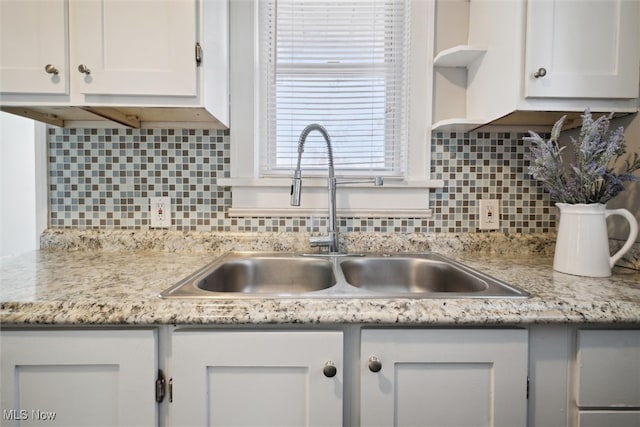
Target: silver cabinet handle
[[330, 369], [51, 69], [375, 365], [84, 69], [540, 73]]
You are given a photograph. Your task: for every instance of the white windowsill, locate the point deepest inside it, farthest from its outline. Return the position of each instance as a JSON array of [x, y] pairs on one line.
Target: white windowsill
[[270, 197], [349, 213], [322, 182]]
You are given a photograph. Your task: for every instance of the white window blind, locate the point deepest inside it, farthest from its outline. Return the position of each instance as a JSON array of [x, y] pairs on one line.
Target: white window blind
[[344, 65]]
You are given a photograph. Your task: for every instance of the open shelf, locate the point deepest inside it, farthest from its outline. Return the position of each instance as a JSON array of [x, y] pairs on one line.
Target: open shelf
[[458, 56], [457, 125]]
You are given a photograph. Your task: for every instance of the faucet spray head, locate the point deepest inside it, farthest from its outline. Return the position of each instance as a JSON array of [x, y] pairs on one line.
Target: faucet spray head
[[296, 188]]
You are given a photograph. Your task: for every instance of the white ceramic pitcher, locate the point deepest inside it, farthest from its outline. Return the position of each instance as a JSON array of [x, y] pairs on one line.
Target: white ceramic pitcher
[[582, 247]]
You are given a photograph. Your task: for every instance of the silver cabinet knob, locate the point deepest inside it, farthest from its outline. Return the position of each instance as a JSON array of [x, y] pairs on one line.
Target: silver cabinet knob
[[51, 69], [330, 369], [375, 365], [540, 73], [84, 69]]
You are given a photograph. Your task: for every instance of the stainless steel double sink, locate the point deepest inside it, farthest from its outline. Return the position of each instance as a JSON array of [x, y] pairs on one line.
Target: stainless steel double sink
[[289, 275]]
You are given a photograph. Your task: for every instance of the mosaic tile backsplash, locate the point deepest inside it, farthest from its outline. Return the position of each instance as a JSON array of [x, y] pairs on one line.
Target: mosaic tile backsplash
[[102, 178]]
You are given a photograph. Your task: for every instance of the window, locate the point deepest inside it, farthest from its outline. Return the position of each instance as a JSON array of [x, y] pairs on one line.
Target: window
[[342, 64], [394, 142]]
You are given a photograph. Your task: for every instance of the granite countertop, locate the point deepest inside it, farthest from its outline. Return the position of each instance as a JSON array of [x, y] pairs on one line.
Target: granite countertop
[[120, 286]]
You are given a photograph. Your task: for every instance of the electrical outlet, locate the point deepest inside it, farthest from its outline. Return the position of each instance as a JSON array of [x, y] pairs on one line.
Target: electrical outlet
[[160, 211], [489, 214]]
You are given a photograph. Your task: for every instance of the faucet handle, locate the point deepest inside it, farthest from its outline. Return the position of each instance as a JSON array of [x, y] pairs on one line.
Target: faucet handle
[[316, 241]]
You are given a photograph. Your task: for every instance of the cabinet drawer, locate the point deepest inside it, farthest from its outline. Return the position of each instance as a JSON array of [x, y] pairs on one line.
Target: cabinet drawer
[[609, 419], [609, 368]]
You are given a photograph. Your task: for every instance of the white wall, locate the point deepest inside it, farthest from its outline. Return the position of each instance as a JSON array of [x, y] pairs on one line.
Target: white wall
[[23, 199], [630, 198]]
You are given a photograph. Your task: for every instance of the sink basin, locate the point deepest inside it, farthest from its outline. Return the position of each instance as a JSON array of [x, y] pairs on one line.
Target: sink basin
[[269, 275], [286, 275], [410, 275], [258, 274]]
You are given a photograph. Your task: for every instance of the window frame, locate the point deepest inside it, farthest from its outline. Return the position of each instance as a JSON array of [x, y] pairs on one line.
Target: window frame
[[254, 195], [390, 140]]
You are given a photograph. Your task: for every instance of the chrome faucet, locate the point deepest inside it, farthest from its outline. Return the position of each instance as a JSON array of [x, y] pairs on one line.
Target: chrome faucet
[[331, 239]]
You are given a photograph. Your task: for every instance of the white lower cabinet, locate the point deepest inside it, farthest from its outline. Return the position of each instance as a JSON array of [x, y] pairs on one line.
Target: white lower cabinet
[[349, 375], [608, 378], [257, 378], [78, 377], [443, 377], [428, 377]]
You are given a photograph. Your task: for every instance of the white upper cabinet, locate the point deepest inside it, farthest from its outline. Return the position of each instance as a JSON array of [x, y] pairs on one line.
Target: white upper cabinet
[[134, 47], [126, 61], [124, 48], [584, 50], [534, 61], [33, 61]]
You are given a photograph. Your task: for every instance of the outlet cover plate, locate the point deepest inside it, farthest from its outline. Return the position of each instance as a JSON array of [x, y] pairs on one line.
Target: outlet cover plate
[[160, 212], [489, 214]]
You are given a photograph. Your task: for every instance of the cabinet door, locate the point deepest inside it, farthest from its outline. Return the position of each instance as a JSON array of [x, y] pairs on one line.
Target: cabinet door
[[136, 47], [589, 50], [78, 378], [247, 378], [444, 378], [33, 34]]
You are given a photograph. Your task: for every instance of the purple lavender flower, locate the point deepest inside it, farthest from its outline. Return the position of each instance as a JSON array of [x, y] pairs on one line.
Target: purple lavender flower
[[592, 178]]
